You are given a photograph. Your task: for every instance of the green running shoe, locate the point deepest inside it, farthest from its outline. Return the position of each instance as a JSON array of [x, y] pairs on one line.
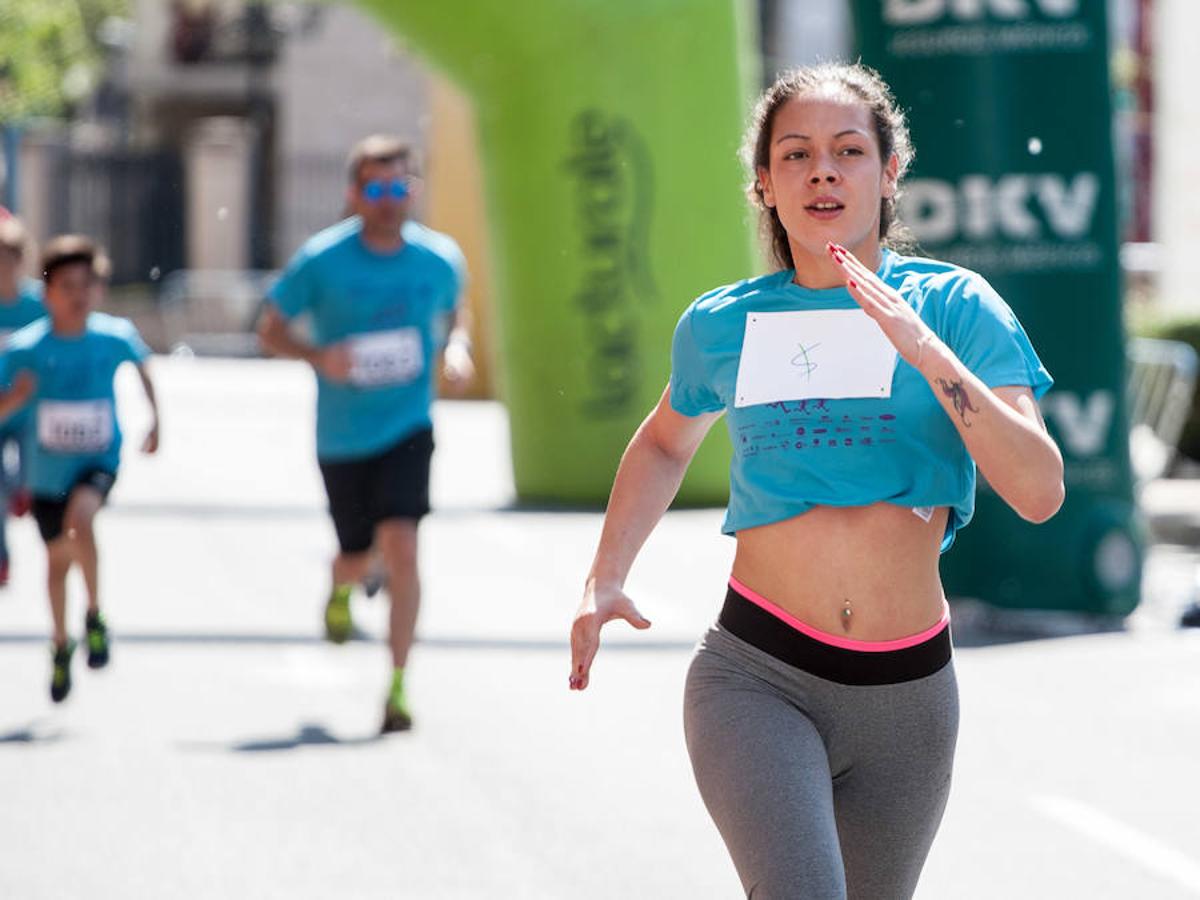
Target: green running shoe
[[60, 679], [338, 623], [396, 716], [97, 640]]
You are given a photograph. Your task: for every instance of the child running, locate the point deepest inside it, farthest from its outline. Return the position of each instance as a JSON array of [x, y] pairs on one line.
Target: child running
[[61, 368]]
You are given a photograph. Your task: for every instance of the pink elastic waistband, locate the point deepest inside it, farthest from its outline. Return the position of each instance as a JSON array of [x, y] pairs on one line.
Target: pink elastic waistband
[[834, 640]]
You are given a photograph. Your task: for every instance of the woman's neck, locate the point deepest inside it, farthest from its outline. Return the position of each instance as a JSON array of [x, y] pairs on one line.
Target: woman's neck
[[819, 271]]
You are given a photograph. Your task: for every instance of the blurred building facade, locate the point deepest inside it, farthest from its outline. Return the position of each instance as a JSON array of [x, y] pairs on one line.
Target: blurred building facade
[[1175, 216], [220, 137], [217, 138]]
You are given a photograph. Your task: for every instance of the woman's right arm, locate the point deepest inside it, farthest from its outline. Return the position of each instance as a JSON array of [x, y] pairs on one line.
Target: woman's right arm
[[648, 478]]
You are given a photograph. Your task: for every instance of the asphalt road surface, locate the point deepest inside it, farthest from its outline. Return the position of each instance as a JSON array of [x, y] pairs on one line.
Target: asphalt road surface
[[229, 752]]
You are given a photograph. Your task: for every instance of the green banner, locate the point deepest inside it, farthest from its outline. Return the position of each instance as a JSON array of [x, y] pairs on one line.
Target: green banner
[[609, 135], [1009, 109]]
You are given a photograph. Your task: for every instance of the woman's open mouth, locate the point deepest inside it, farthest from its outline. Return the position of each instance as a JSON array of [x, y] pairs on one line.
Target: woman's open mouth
[[825, 208]]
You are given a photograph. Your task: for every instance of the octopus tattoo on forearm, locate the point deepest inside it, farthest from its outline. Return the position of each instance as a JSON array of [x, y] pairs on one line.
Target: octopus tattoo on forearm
[[958, 396]]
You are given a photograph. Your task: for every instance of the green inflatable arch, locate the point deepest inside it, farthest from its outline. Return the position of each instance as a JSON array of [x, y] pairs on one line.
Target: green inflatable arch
[[610, 130]]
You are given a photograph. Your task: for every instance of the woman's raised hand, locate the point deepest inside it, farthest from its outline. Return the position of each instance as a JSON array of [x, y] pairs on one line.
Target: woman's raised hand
[[898, 321], [601, 604]]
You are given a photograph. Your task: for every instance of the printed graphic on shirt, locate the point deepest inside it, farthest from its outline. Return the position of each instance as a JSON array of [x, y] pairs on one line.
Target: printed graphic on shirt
[[812, 425]]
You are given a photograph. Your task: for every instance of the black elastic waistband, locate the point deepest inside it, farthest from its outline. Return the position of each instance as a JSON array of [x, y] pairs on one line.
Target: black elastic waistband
[[747, 620]]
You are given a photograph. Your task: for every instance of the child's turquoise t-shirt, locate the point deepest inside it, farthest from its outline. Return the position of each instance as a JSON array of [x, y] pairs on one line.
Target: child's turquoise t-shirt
[[15, 313], [26, 307], [73, 410], [392, 311], [792, 455]]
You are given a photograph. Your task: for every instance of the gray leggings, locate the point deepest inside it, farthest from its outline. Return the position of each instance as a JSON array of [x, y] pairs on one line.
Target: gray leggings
[[820, 790]]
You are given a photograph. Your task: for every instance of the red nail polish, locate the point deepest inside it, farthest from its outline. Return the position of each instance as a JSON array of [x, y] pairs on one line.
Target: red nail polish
[[853, 283]]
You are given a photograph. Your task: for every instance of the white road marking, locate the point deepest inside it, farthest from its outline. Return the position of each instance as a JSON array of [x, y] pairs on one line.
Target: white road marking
[[1135, 845]]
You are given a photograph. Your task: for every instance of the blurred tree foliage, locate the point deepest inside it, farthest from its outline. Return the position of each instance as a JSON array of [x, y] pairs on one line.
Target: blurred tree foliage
[[50, 53]]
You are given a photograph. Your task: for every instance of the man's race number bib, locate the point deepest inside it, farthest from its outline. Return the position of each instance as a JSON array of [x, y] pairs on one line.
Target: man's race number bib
[[75, 426], [386, 357]]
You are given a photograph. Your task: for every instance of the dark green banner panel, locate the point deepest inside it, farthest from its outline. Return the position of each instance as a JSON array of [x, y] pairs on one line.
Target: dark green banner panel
[[1009, 106]]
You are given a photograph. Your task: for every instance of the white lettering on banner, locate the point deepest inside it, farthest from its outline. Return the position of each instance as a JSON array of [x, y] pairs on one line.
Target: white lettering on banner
[[1083, 427], [929, 207], [1044, 256], [1069, 210], [979, 207], [922, 12], [75, 426], [386, 357]]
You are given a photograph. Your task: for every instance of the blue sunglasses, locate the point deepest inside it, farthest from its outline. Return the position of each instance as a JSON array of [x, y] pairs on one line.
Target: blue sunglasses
[[375, 190]]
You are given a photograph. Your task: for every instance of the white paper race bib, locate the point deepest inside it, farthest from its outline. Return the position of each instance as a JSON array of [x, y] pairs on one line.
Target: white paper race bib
[[84, 426], [831, 354], [386, 357]]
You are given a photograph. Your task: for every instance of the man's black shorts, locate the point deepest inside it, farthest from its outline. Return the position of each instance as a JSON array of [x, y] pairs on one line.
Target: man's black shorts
[[49, 510], [392, 484]]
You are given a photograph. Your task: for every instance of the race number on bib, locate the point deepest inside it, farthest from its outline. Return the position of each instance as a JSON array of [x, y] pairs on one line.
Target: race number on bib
[[75, 427], [833, 354], [386, 357]]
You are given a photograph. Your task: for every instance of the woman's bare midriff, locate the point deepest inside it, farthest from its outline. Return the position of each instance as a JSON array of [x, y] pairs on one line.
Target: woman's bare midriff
[[879, 562]]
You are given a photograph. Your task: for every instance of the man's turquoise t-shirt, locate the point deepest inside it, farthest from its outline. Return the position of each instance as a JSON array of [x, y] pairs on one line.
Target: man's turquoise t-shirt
[[73, 410], [392, 310], [792, 455], [15, 313]]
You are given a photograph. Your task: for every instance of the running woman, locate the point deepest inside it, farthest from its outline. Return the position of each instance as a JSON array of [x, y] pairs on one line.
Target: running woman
[[61, 368], [861, 388], [382, 296], [20, 304]]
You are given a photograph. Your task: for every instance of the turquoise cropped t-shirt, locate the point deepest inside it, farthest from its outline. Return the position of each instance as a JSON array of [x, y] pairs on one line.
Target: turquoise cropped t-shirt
[[791, 455]]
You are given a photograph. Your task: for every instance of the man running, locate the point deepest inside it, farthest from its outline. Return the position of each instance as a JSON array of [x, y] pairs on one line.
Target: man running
[[382, 296]]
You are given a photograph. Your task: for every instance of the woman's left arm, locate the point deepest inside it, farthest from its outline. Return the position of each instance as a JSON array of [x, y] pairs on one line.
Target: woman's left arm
[[1002, 427]]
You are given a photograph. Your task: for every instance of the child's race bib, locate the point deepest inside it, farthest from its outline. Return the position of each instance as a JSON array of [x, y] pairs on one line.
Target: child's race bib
[[84, 426]]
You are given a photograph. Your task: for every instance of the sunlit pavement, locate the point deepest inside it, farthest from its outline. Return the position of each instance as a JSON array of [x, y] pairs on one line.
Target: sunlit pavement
[[229, 752]]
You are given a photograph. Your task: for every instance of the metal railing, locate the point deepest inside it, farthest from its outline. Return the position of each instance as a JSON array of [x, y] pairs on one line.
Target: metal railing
[[212, 312], [130, 201], [1159, 387]]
